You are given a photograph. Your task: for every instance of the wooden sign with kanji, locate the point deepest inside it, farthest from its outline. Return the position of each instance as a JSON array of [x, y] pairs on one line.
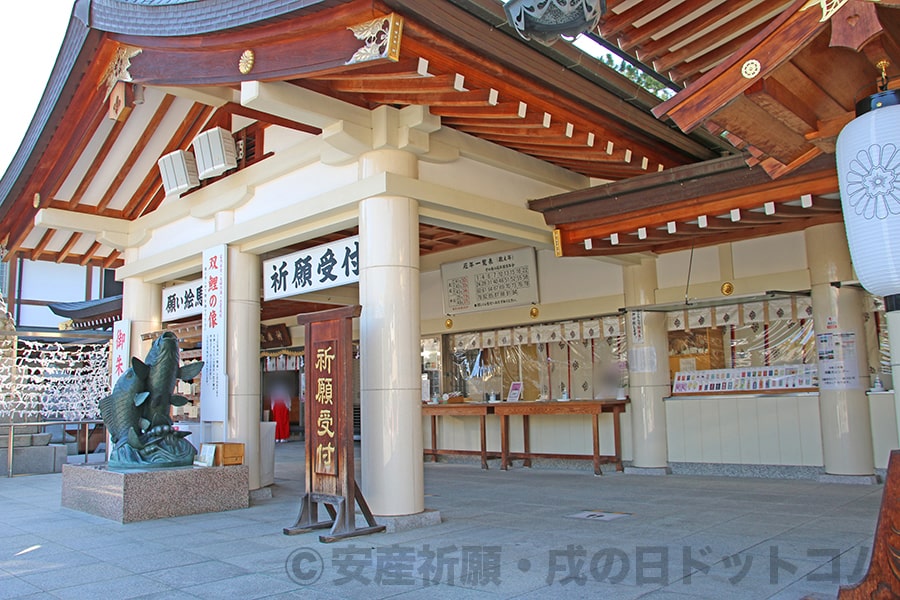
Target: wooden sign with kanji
[[329, 428]]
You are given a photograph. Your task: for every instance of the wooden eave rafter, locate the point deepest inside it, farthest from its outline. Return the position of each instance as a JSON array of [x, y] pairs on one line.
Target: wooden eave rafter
[[454, 42], [786, 93], [697, 205], [478, 80]]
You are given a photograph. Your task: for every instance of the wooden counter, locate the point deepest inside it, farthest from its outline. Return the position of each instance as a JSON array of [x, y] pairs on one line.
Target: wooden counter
[[574, 407], [463, 409]]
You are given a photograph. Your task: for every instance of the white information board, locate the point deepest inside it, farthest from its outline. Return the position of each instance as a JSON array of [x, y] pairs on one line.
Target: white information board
[[487, 282], [182, 300], [838, 361]]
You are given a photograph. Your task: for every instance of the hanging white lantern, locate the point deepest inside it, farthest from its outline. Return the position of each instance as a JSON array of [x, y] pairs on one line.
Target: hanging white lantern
[[546, 20], [868, 166]]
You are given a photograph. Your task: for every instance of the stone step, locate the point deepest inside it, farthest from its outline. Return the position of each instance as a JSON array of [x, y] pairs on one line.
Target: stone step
[[19, 441], [40, 439], [20, 429]]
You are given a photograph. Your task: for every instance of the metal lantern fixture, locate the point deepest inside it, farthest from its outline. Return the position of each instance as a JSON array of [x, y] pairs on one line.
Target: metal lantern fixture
[[546, 20], [178, 171], [868, 166], [215, 152]]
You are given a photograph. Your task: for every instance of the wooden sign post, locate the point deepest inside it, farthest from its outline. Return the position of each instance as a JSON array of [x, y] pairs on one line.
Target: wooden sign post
[[329, 428]]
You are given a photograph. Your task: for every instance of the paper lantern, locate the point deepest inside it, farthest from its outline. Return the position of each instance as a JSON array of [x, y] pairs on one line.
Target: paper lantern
[[546, 20], [215, 152], [179, 172], [868, 166]]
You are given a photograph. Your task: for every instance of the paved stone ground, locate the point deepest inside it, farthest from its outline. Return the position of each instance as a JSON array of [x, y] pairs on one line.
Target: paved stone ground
[[504, 535]]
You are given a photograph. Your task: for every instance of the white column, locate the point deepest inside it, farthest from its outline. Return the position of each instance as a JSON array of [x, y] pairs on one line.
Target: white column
[[390, 380], [243, 356], [142, 305], [648, 368], [838, 314]]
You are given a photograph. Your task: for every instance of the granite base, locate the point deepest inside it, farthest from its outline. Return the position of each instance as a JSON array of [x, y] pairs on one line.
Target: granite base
[[850, 479], [142, 495], [395, 523], [653, 471]]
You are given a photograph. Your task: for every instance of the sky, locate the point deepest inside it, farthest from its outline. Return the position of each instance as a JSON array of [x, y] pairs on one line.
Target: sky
[[31, 34]]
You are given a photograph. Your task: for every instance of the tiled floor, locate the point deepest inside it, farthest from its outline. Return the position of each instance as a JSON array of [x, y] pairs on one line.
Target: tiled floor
[[504, 535]]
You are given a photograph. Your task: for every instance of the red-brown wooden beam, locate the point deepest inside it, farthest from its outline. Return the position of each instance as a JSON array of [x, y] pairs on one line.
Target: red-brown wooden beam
[[775, 44], [135, 153], [67, 248], [98, 161], [320, 43], [69, 140]]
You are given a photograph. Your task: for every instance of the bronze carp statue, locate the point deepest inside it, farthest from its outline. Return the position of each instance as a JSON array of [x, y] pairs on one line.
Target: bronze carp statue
[[136, 413]]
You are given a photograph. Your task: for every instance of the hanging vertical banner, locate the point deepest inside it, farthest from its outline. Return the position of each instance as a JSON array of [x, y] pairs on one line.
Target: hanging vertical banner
[[488, 339], [613, 326], [572, 331], [520, 335], [637, 326], [726, 315], [121, 350], [214, 383], [753, 312], [699, 318], [838, 362], [591, 329], [675, 321], [781, 309]]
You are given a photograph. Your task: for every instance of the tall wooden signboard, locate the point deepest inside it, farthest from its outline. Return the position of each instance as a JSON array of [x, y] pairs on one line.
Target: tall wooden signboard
[[329, 428]]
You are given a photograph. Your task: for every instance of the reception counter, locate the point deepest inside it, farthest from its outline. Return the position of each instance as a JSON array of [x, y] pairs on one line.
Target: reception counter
[[560, 433]]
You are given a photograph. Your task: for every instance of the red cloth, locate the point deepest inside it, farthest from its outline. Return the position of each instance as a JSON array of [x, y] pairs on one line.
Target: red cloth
[[282, 421]]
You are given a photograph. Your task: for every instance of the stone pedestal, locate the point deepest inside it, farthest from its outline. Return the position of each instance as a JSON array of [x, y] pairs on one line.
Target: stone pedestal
[[141, 495]]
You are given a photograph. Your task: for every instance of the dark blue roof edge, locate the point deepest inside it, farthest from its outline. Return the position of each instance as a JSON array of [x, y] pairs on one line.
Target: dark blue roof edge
[[87, 308], [190, 17]]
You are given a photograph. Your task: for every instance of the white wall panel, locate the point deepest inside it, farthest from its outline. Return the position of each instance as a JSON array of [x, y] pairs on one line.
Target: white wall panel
[[773, 254], [573, 278], [710, 434], [672, 268], [53, 282], [789, 446], [675, 431], [810, 431], [748, 427], [729, 428]]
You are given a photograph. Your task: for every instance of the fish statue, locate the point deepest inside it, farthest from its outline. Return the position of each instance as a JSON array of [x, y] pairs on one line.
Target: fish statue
[[163, 361], [136, 413], [120, 410]]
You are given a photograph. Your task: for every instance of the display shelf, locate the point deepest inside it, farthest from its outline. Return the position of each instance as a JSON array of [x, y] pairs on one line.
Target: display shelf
[[751, 380]]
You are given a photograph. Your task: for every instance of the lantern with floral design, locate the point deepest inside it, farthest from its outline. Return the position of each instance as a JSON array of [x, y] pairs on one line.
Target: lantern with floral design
[[546, 20], [868, 166]]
